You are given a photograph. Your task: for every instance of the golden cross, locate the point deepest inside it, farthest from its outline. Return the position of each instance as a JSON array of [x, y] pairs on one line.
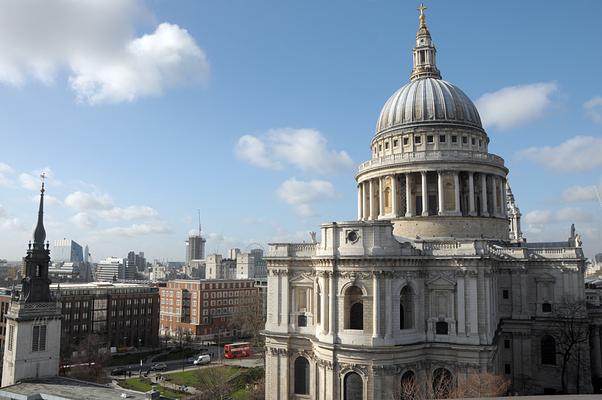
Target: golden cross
[[43, 177], [421, 9]]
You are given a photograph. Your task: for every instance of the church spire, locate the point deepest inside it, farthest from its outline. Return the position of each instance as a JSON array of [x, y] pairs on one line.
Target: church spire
[[39, 234], [424, 53]]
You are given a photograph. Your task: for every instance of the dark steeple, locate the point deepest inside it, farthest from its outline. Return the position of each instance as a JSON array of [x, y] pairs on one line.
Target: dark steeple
[[36, 285], [39, 234]]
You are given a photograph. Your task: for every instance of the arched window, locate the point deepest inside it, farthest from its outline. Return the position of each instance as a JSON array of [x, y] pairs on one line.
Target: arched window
[[354, 307], [356, 316], [441, 328], [548, 350], [301, 375], [409, 388], [353, 387], [442, 383], [406, 308]]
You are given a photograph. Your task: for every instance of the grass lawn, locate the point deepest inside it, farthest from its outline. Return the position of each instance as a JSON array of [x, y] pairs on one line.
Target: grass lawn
[[191, 378], [144, 385]]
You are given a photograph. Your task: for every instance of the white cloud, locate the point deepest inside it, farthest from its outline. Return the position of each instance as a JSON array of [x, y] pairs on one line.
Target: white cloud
[[94, 42], [128, 213], [7, 222], [84, 220], [304, 149], [82, 201], [252, 150], [581, 193], [48, 200], [5, 170], [593, 108], [32, 181], [302, 193], [515, 105], [138, 230], [567, 214], [580, 153]]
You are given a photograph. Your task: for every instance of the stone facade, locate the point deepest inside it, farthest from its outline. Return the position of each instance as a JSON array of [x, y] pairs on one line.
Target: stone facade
[[434, 280]]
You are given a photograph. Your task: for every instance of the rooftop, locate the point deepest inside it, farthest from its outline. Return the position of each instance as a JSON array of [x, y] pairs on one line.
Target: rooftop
[[60, 388]]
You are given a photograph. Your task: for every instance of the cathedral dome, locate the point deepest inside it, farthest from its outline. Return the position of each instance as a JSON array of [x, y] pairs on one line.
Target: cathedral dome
[[428, 100]]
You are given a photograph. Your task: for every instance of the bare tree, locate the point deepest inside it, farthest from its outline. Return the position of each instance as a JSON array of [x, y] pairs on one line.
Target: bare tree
[[92, 356], [443, 386], [213, 384], [570, 331], [249, 319]]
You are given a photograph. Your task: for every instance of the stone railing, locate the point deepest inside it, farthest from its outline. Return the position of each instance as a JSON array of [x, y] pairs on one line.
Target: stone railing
[[35, 309], [433, 155], [292, 249]]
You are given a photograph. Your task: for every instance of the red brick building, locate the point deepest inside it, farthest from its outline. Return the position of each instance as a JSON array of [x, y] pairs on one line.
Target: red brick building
[[205, 308]]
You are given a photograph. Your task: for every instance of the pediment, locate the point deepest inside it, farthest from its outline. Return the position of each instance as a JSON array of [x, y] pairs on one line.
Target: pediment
[[441, 282], [545, 278], [301, 279]]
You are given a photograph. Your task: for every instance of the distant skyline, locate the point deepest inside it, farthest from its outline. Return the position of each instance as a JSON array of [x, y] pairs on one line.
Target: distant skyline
[[258, 113]]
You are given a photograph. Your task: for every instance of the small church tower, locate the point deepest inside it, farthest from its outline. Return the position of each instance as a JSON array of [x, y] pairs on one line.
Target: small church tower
[[33, 321]]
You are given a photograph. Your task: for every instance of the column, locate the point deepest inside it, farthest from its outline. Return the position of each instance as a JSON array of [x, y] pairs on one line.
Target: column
[[284, 286], [461, 328], [502, 197], [471, 206], [366, 203], [375, 306], [381, 197], [425, 195], [359, 202], [388, 308], [440, 192], [494, 188], [457, 193], [409, 208], [371, 200], [323, 305], [333, 306], [394, 202], [504, 208], [595, 353], [484, 211]]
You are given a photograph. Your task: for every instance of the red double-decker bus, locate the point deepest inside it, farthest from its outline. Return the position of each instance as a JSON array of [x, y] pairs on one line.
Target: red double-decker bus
[[237, 350]]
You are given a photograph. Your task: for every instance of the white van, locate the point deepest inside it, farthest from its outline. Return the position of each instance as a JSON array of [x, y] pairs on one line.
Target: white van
[[202, 359]]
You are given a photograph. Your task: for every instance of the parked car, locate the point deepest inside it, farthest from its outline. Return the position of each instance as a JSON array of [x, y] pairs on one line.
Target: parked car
[[202, 359], [118, 371], [190, 360], [159, 367]]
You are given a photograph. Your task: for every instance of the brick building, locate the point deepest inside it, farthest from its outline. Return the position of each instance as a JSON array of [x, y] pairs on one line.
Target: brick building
[[205, 308], [125, 315]]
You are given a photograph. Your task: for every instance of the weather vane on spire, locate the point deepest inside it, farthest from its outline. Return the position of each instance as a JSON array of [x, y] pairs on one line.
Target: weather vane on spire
[[422, 16], [43, 179]]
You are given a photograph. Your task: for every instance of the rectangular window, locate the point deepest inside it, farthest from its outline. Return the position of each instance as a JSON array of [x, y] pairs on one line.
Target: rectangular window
[[11, 337], [506, 343], [441, 138], [464, 140], [386, 145], [505, 294], [405, 141], [454, 139], [480, 142], [395, 143], [430, 139], [507, 369], [417, 139], [380, 147], [38, 342], [473, 141]]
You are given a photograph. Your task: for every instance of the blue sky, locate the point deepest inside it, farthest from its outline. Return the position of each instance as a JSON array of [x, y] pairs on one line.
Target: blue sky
[[257, 113]]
